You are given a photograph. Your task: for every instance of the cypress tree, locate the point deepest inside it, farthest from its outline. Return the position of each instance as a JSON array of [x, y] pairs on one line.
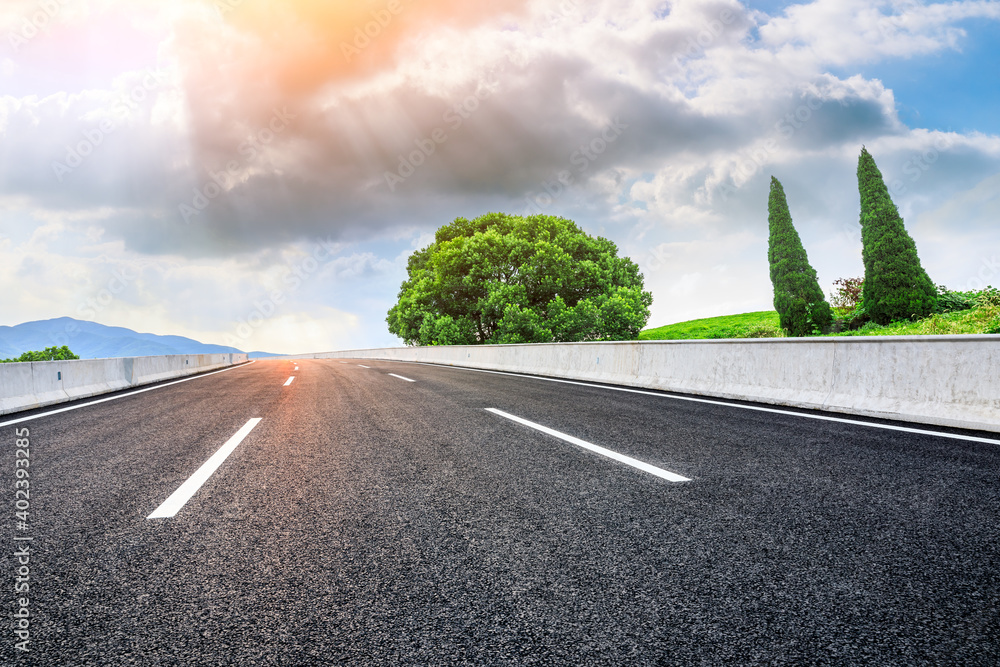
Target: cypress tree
[[896, 286], [802, 308]]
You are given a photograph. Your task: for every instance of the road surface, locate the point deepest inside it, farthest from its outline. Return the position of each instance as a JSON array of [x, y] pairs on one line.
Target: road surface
[[372, 512]]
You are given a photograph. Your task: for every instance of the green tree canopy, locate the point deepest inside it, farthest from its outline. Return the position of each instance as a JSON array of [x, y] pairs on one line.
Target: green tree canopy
[[48, 354], [802, 308], [511, 279], [896, 286]]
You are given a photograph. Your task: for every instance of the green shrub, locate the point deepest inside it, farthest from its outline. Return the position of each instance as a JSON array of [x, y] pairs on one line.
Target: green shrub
[[870, 327], [994, 325], [987, 298], [854, 319], [763, 331], [847, 292], [950, 302], [48, 354]]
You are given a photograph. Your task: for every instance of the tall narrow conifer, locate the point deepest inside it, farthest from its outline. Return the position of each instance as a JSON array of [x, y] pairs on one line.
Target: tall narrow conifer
[[802, 308], [896, 286]]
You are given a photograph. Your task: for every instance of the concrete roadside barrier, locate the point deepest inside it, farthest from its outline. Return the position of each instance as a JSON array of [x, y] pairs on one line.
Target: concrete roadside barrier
[[27, 385], [943, 380], [16, 385]]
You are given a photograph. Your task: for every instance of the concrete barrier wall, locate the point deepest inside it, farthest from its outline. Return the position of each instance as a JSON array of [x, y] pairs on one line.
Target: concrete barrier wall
[[943, 380], [39, 383]]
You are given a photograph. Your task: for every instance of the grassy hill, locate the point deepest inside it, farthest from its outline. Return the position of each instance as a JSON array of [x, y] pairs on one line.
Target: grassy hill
[[727, 326], [764, 324]]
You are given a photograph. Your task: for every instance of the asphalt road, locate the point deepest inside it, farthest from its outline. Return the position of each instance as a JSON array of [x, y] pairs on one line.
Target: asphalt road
[[370, 520]]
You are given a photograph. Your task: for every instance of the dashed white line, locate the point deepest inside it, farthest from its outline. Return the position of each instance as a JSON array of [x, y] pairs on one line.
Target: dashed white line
[[289, 381], [621, 458], [739, 406], [296, 368], [363, 366], [401, 377], [178, 498]]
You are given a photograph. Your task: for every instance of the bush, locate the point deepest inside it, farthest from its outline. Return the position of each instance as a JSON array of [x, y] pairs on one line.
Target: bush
[[847, 292], [870, 327], [48, 354], [762, 331], [987, 298], [950, 302], [855, 319]]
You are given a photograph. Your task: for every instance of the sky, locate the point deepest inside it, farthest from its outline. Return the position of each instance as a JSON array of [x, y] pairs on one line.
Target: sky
[[256, 172]]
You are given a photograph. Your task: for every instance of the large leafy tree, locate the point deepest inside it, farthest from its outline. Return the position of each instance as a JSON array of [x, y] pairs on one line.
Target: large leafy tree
[[896, 286], [802, 308], [511, 279]]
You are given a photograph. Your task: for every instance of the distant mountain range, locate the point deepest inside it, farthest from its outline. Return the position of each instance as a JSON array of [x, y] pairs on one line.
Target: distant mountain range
[[91, 340]]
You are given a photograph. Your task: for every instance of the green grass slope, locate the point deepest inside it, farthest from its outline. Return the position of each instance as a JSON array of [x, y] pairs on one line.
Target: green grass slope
[[764, 324], [727, 326]]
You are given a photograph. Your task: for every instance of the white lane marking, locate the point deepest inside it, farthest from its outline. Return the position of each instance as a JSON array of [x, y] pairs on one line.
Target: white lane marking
[[692, 399], [289, 381], [178, 498], [621, 458], [296, 368], [401, 377], [115, 398], [363, 366]]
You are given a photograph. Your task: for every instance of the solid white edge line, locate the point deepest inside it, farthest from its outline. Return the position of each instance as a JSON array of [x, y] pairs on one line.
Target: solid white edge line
[[114, 398], [289, 381], [621, 458], [401, 377], [692, 399], [179, 498]]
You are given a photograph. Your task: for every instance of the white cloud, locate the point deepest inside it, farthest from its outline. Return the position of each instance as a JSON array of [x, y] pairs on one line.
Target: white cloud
[[839, 32], [709, 111]]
